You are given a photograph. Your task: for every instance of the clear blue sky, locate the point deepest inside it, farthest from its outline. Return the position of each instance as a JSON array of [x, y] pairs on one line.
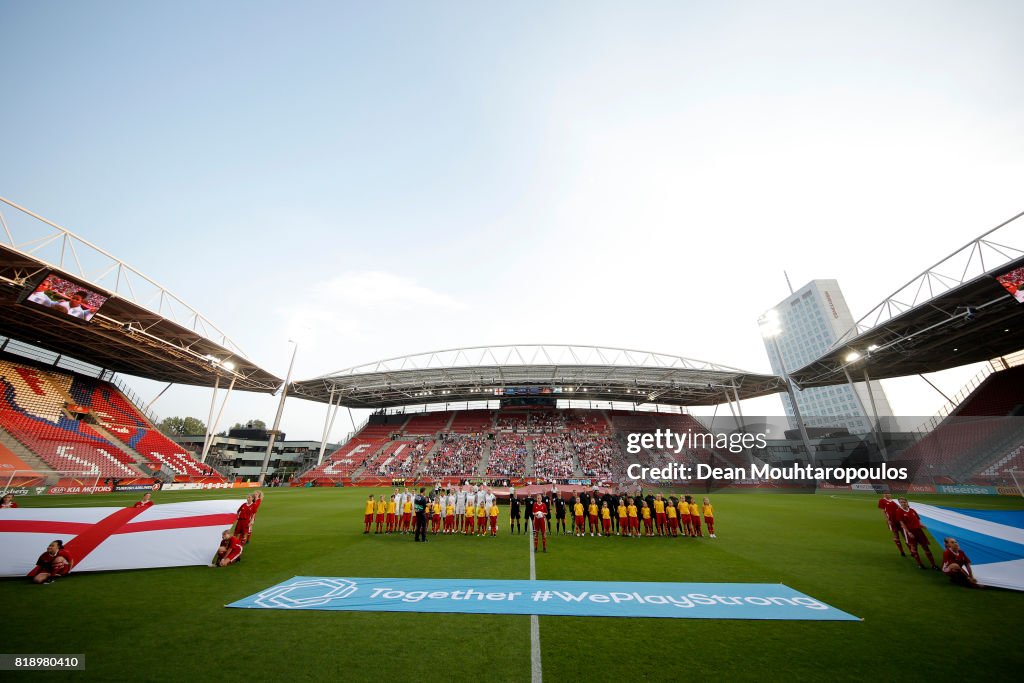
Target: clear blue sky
[[386, 178]]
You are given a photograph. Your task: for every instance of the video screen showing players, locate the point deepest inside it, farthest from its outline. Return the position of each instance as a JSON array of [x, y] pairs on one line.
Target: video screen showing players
[[1013, 282], [63, 296]]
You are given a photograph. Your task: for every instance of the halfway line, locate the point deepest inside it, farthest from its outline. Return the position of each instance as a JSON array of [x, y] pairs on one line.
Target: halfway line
[[536, 672]]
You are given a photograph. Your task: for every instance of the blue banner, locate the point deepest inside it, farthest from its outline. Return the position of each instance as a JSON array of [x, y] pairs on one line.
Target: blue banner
[[547, 598]]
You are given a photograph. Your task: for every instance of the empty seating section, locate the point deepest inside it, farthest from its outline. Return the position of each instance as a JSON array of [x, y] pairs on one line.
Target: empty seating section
[[105, 402], [30, 391], [458, 455], [1000, 394], [472, 422], [347, 459], [32, 411], [958, 444], [67, 445], [400, 458], [158, 450], [427, 424]]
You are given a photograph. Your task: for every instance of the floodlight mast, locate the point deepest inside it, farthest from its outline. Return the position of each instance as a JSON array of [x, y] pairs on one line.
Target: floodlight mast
[[770, 330], [277, 418]]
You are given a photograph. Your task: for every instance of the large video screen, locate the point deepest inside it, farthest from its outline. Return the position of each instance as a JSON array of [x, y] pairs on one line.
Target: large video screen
[[1013, 282], [58, 295]]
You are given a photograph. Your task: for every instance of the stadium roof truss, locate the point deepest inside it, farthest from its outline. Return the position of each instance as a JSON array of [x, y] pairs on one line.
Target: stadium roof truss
[[952, 314], [143, 329], [556, 371]]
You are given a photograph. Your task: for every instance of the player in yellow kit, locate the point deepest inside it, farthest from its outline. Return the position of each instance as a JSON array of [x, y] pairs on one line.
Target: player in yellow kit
[[406, 515], [481, 519], [494, 518], [709, 518], [577, 516], [659, 515], [380, 512], [592, 515], [695, 517], [435, 517], [470, 519], [606, 519], [672, 516], [368, 515], [449, 519], [645, 512], [390, 521], [634, 521], [623, 518]]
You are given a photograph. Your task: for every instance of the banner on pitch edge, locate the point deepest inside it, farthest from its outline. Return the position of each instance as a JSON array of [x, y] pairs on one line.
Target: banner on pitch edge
[[555, 598]]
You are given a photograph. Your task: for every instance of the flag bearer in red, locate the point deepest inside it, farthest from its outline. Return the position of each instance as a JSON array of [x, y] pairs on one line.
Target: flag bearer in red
[[230, 550], [54, 563], [915, 533], [891, 512]]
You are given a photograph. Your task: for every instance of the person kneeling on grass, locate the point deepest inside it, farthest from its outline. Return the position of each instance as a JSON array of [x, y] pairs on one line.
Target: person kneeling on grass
[[54, 563], [230, 550], [957, 566]]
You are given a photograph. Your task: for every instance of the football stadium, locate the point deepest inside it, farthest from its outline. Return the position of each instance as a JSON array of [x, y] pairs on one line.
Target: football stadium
[[508, 428], [513, 511]]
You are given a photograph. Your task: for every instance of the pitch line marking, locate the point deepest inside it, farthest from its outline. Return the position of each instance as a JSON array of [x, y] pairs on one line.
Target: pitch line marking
[[536, 671]]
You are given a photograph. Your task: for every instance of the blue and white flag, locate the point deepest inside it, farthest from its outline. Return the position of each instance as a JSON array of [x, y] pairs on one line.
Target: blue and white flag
[[992, 539]]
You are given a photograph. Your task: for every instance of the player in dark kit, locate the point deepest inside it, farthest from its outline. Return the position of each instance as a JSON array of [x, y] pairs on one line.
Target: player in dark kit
[[420, 506], [540, 523], [560, 515], [915, 533], [891, 512], [528, 506], [514, 516]]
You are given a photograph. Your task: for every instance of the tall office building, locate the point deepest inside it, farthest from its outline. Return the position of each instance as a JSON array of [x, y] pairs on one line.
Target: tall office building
[[811, 320]]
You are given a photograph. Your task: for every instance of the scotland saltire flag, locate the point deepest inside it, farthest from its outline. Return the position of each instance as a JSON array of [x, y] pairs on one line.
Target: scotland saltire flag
[[992, 539]]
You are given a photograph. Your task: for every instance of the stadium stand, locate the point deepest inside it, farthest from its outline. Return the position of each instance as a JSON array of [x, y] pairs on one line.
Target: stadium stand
[[457, 456], [428, 424], [472, 422], [33, 409], [982, 431]]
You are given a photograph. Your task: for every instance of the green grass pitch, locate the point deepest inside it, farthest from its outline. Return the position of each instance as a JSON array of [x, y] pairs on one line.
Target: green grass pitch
[[171, 624]]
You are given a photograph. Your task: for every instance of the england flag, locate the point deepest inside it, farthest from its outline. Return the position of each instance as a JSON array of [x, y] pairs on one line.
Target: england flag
[[107, 538]]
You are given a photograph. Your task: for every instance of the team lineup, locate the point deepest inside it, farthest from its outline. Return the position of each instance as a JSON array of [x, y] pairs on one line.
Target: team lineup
[[473, 510]]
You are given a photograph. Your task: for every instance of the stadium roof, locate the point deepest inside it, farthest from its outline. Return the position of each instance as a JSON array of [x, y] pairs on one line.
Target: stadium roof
[[551, 370], [952, 314], [143, 329]]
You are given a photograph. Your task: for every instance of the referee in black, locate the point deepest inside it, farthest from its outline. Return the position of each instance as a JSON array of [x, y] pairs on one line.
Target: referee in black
[[419, 505]]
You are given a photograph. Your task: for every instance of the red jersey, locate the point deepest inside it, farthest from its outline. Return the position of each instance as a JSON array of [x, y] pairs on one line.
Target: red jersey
[[143, 504], [246, 511], [46, 560], [910, 518], [230, 548], [959, 557], [891, 508], [12, 504], [540, 511]]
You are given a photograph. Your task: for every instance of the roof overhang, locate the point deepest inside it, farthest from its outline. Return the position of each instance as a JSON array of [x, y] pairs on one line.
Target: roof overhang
[[549, 370], [126, 335], [974, 322]]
